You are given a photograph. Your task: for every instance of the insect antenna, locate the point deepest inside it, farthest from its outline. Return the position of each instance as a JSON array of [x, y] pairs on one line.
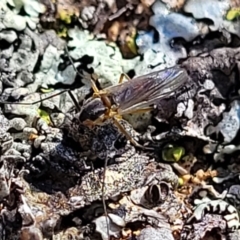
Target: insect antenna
[[53, 95], [34, 102]]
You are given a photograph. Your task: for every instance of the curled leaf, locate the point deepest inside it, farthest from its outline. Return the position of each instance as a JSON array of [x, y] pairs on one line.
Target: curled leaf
[[44, 115], [130, 41], [46, 90], [172, 153], [233, 14]]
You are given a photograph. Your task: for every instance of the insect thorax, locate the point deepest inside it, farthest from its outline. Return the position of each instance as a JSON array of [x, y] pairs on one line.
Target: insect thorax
[[92, 109]]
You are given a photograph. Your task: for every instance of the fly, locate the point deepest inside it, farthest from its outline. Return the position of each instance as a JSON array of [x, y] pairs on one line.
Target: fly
[[136, 95]]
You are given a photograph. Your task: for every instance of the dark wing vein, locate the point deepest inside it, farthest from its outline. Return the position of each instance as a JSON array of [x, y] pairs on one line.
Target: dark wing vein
[[147, 88]]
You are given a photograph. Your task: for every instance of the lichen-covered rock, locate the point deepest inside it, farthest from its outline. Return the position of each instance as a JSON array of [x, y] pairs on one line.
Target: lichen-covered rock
[[17, 124], [106, 60], [209, 223], [6, 139], [8, 35], [155, 234], [171, 25], [65, 159], [125, 177], [229, 125], [24, 58], [215, 11], [14, 21], [205, 112], [10, 17]]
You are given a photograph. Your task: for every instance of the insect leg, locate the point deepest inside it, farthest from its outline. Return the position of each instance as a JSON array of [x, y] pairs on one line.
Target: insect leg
[[96, 92], [94, 87], [122, 76], [122, 130]]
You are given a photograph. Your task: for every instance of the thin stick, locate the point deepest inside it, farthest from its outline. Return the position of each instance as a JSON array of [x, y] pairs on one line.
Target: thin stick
[[74, 101], [70, 59], [80, 75], [103, 196], [106, 161]]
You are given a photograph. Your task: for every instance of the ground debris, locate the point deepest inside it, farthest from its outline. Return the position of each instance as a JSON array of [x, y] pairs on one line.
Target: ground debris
[[62, 178], [136, 172]]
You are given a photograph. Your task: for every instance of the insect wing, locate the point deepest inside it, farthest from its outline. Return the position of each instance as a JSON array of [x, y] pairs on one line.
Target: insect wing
[[144, 91]]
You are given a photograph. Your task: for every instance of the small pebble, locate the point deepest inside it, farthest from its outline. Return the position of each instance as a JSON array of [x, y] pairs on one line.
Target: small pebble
[[17, 123]]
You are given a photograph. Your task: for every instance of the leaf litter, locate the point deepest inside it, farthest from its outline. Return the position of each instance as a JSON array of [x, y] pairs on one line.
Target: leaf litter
[[63, 180]]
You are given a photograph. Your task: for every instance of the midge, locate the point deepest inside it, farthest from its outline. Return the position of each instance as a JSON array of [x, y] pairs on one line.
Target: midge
[[136, 95]]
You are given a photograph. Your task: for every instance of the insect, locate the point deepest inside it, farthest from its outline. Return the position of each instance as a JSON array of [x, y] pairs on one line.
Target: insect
[[136, 95]]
